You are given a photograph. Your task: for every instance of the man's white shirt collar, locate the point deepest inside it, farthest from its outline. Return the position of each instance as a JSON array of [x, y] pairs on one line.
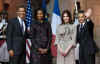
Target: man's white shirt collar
[[20, 21]]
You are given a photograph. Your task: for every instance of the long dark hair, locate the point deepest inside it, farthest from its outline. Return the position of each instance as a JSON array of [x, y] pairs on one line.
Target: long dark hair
[[69, 15], [35, 13]]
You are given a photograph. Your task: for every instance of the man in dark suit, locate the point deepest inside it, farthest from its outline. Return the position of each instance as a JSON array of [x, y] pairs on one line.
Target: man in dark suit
[[91, 30], [89, 21], [16, 37], [85, 39], [90, 27]]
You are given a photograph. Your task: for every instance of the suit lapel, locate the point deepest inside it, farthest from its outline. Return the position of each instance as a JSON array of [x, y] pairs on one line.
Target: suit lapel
[[78, 28], [18, 25]]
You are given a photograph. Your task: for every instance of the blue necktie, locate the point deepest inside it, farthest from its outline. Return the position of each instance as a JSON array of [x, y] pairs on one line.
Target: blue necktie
[[22, 27], [81, 27]]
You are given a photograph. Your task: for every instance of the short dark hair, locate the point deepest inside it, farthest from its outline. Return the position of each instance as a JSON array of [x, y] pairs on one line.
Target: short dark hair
[[20, 6], [3, 13], [39, 9], [0, 13], [81, 11]]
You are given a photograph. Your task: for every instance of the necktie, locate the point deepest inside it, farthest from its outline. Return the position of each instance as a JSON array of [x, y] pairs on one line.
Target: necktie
[[22, 27], [81, 27]]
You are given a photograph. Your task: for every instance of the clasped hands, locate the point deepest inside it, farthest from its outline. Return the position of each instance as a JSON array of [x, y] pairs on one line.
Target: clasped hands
[[42, 51], [63, 53]]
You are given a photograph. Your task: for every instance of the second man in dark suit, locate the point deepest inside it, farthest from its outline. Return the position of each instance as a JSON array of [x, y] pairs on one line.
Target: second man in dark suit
[[87, 48]]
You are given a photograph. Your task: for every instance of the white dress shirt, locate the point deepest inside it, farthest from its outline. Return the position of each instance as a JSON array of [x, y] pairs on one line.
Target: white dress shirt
[[21, 23]]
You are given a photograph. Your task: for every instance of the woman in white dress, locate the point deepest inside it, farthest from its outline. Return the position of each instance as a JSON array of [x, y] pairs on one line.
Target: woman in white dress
[[65, 40]]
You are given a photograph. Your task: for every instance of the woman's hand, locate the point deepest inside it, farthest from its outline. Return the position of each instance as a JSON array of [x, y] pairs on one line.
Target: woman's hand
[[68, 50], [61, 51], [45, 50], [42, 51]]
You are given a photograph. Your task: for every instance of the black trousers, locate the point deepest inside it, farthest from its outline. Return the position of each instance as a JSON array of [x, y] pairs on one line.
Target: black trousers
[[19, 59], [77, 61], [92, 59], [3, 62], [85, 58]]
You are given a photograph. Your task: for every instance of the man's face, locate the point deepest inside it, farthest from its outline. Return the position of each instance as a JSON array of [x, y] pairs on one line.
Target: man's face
[[81, 17], [21, 13]]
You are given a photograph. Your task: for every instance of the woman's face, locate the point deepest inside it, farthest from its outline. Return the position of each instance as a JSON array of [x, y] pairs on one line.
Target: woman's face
[[66, 18], [39, 15]]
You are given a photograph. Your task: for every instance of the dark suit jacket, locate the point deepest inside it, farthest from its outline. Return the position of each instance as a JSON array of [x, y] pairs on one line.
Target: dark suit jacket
[[86, 40], [90, 25], [15, 37]]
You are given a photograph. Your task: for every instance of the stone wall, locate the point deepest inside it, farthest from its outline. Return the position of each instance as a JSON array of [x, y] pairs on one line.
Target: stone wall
[[12, 6]]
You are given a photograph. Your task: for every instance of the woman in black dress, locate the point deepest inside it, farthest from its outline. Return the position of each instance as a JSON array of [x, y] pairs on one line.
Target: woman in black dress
[[41, 39]]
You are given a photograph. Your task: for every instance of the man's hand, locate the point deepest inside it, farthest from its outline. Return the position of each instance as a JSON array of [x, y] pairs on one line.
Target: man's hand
[[11, 52]]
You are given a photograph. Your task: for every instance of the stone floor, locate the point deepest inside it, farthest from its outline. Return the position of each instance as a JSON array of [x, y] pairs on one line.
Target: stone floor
[[98, 58]]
